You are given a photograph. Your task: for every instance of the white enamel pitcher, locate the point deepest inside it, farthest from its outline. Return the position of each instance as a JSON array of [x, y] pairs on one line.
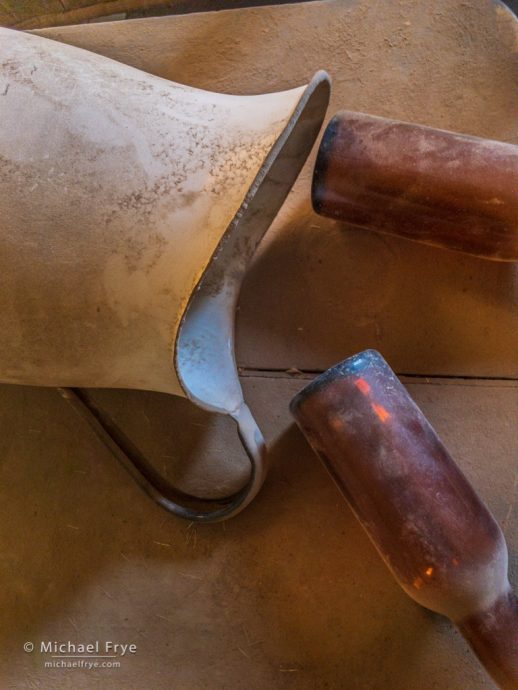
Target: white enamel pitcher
[[129, 208]]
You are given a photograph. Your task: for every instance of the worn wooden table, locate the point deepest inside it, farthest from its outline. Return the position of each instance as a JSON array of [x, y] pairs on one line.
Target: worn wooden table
[[290, 593]]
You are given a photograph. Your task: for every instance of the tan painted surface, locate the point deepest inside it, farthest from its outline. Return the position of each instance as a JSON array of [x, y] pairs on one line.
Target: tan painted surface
[[290, 594], [320, 290]]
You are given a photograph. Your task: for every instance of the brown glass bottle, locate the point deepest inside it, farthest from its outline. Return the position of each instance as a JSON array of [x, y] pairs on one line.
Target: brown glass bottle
[[439, 540], [450, 190]]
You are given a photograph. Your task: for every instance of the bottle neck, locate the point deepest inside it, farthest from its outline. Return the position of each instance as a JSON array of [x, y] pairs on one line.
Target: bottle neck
[[493, 636]]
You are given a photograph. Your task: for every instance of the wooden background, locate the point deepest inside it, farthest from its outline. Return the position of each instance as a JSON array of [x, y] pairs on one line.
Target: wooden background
[[31, 14]]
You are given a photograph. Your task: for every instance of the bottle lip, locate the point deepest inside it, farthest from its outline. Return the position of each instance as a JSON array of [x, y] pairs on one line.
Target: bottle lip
[[352, 366], [325, 150]]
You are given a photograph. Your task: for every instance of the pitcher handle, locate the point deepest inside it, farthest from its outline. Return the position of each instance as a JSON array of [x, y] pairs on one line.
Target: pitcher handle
[[154, 484]]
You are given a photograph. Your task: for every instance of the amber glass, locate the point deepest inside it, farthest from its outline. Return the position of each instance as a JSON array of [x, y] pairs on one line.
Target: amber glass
[[434, 533], [437, 187]]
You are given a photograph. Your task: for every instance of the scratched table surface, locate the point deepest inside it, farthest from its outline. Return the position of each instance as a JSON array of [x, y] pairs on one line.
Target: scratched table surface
[[290, 594]]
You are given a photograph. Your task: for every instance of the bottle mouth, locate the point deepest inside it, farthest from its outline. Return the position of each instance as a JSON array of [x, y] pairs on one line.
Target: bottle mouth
[[204, 350], [353, 365]]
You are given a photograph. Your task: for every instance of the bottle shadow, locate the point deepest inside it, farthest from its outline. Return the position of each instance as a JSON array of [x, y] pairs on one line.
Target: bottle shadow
[[322, 290]]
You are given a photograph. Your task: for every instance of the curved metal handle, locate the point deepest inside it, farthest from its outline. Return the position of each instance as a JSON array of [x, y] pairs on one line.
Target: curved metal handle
[[154, 484]]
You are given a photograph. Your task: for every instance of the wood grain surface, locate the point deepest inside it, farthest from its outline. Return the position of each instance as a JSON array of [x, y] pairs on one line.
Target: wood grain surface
[[31, 14]]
